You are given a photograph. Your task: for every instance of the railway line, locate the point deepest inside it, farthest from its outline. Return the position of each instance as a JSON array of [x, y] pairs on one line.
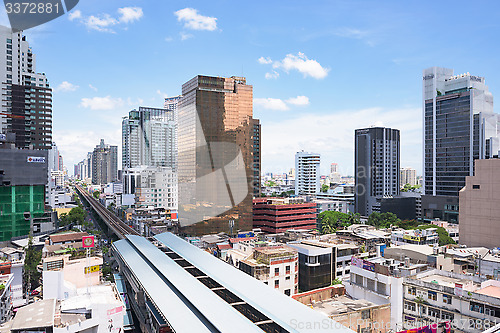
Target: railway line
[[118, 227]]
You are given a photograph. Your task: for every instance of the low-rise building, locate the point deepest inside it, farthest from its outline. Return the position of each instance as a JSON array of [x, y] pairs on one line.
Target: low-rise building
[[274, 215], [276, 266], [470, 303], [419, 237], [63, 276], [316, 264], [66, 238], [6, 307], [380, 281], [96, 309], [366, 236]]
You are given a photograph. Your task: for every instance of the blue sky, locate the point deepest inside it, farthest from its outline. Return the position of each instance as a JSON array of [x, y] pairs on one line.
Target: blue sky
[[319, 69]]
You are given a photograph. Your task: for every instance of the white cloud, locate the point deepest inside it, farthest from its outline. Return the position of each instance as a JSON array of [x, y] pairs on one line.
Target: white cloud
[[332, 135], [273, 75], [168, 39], [185, 36], [101, 103], [92, 87], [351, 33], [193, 20], [271, 103], [265, 61], [301, 63], [130, 14], [74, 15], [279, 104], [299, 100], [102, 23], [66, 86], [105, 22], [161, 93]]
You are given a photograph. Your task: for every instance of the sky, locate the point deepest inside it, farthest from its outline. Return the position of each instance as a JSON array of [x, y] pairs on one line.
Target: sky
[[319, 69]]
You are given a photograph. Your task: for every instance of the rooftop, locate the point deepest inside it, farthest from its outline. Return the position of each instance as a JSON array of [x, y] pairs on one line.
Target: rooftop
[[341, 305], [36, 315], [66, 237]]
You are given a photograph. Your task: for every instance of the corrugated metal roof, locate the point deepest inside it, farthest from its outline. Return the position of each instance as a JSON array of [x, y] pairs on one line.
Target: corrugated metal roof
[[220, 314], [285, 311], [180, 316]]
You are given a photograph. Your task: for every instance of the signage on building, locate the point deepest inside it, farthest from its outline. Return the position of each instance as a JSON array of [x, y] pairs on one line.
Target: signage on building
[[92, 269], [476, 78], [35, 159], [458, 289], [412, 238], [428, 77], [115, 310], [88, 241], [365, 264]]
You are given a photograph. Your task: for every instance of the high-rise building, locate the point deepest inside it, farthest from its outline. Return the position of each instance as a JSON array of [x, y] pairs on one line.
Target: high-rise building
[[171, 103], [376, 167], [407, 176], [307, 173], [479, 208], [26, 108], [23, 176], [334, 168], [459, 127], [217, 161], [149, 138], [104, 164]]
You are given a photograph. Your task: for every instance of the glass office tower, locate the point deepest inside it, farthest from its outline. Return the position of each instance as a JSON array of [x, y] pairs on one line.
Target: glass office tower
[[459, 127], [218, 154]]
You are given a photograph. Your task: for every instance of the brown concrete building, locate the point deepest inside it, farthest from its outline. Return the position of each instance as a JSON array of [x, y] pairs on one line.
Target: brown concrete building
[[218, 155], [479, 212], [275, 215]]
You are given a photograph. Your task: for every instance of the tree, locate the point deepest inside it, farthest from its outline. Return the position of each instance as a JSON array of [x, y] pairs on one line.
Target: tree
[[75, 216], [324, 188], [336, 281], [330, 221], [31, 261], [410, 188], [96, 194], [383, 220]]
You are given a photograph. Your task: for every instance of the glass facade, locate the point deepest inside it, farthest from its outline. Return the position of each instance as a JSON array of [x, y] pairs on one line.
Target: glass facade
[[455, 148], [315, 271], [15, 201], [218, 157]]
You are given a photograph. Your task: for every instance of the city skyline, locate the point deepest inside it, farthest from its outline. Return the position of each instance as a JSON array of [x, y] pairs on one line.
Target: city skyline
[[308, 81]]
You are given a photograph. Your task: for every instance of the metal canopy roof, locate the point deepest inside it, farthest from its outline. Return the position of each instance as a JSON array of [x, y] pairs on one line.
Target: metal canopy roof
[[180, 316], [217, 312], [283, 310]]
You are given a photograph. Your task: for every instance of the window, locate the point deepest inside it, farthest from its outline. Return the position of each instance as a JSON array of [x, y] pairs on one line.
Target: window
[[287, 268], [365, 314], [434, 313], [287, 278], [277, 271], [476, 187], [412, 291], [447, 299], [410, 306], [432, 295], [287, 292], [276, 283]]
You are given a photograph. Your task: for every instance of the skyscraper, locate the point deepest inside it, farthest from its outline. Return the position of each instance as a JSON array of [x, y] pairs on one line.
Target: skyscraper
[[376, 167], [459, 127], [217, 160], [26, 108], [307, 173], [149, 138], [407, 176], [104, 164]]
